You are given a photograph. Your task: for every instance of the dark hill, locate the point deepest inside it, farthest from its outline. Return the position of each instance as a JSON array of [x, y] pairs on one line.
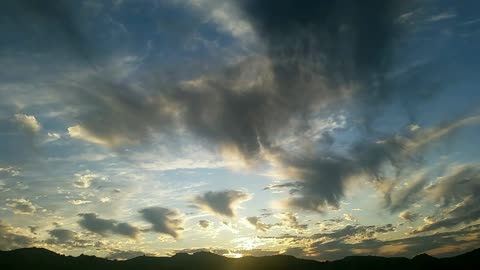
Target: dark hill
[[38, 258]]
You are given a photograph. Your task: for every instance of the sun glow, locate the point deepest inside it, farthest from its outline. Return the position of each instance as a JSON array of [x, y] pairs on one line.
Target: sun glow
[[233, 255]]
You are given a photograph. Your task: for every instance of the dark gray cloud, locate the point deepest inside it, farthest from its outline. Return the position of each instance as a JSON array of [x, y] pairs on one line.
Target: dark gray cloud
[[93, 223], [69, 239], [356, 232], [204, 223], [451, 243], [10, 239], [259, 226], [223, 203], [323, 175], [459, 182], [33, 20], [322, 179], [320, 55], [22, 206], [466, 212], [354, 240], [33, 229], [163, 220], [458, 192], [408, 195], [337, 31], [62, 235]]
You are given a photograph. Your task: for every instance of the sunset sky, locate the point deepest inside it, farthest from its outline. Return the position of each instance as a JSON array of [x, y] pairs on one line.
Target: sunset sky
[[318, 129]]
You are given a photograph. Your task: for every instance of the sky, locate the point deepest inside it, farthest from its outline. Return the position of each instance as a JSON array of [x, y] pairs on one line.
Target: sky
[[318, 129]]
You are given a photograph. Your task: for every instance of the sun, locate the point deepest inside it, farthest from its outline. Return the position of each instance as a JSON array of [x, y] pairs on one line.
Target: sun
[[233, 255]]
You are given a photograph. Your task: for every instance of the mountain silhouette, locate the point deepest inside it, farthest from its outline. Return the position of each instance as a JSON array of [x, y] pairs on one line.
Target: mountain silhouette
[[39, 259]]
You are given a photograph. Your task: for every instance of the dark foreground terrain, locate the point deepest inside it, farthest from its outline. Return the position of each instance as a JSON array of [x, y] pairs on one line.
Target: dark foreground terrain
[[38, 258]]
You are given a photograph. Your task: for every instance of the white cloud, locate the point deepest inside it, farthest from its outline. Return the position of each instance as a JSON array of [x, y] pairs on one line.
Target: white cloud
[[84, 180], [9, 171], [442, 16], [349, 217], [78, 132], [28, 122], [226, 15], [105, 199], [53, 135], [79, 202], [413, 128]]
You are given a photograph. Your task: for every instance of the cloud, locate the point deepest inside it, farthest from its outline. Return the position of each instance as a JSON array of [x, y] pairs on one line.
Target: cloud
[[53, 136], [62, 235], [79, 202], [465, 212], [321, 182], [442, 16], [222, 203], [60, 20], [408, 216], [91, 222], [105, 199], [10, 238], [259, 226], [22, 206], [228, 252], [9, 172], [33, 229], [404, 197], [458, 182], [111, 140], [204, 223], [69, 239], [163, 220], [248, 111], [290, 220], [458, 192], [322, 176], [349, 217], [354, 240], [84, 180], [124, 255], [226, 16], [28, 122], [319, 56], [443, 244], [358, 232], [78, 132]]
